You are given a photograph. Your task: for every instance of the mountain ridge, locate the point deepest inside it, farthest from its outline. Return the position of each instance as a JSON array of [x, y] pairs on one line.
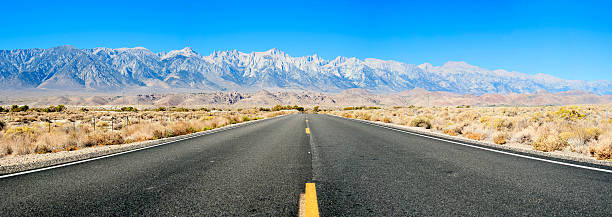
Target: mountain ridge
[[108, 69]]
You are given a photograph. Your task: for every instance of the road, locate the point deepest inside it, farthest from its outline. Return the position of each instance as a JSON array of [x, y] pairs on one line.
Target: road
[[261, 169]]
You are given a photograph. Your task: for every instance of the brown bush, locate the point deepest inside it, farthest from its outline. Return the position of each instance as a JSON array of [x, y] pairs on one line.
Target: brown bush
[[524, 136], [475, 136], [143, 131], [421, 122], [103, 138], [602, 149], [181, 128], [55, 141], [549, 142], [386, 119], [451, 132], [500, 138]]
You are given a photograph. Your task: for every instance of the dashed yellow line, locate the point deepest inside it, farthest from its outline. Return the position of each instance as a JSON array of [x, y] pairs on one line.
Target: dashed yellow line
[[307, 130], [312, 206]]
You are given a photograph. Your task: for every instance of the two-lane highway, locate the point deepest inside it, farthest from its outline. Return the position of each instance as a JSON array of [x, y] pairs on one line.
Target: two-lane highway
[[261, 169]]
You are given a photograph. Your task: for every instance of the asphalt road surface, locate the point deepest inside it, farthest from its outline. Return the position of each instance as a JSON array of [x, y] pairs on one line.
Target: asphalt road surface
[[260, 170]]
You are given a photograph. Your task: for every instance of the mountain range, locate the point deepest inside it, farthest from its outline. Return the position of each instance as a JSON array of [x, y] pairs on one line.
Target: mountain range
[[139, 69]]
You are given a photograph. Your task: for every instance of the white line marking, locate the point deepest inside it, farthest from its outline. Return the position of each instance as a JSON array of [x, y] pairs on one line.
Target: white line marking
[[128, 151], [483, 148]]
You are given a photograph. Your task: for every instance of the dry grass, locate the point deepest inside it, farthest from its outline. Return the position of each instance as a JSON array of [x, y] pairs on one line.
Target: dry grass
[[475, 136], [603, 148], [41, 132], [582, 129]]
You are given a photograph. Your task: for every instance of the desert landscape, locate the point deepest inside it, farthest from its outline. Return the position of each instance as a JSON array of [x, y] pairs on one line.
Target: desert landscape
[[26, 130], [584, 129]]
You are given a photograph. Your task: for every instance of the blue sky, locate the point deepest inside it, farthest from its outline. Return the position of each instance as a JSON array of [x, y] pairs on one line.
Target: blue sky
[[568, 39]]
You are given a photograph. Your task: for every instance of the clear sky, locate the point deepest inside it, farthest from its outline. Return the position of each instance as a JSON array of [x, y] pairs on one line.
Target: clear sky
[[568, 39]]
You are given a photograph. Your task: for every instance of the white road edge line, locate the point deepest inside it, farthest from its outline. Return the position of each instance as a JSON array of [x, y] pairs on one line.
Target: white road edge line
[[487, 149], [128, 151]]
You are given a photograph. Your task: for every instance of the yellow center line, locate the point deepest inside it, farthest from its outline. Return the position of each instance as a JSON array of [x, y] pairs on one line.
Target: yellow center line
[[312, 206]]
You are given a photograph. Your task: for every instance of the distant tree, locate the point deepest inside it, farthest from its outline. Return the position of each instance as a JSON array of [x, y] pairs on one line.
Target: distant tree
[[181, 109], [16, 108], [129, 109], [277, 108], [58, 108]]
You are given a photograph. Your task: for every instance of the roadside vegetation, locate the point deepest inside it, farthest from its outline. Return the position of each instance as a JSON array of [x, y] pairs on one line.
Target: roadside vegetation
[[583, 129], [25, 130]]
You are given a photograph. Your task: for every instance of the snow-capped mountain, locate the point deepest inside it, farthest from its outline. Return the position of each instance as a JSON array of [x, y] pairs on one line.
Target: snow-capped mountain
[[105, 69]]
